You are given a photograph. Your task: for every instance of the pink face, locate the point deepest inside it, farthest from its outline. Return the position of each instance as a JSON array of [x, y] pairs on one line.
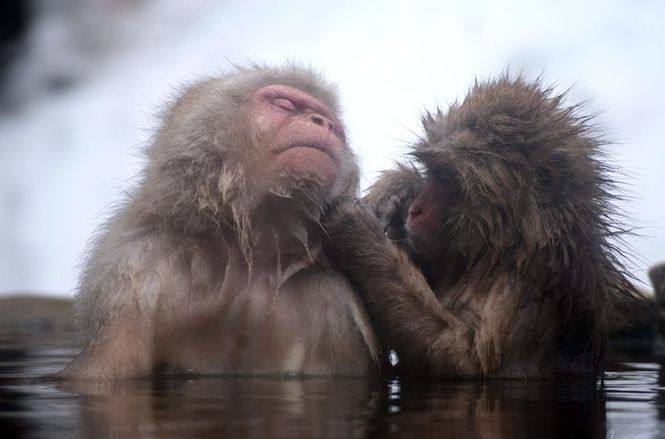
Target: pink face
[[428, 213], [301, 133]]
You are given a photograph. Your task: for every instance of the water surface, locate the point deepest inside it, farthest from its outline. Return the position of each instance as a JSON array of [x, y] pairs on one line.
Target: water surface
[[629, 402]]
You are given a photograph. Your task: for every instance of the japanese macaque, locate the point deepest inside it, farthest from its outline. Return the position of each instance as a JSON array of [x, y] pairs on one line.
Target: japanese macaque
[[214, 262], [493, 253], [657, 277]]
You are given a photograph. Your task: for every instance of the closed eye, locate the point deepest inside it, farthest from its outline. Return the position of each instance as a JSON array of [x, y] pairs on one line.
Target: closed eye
[[284, 104]]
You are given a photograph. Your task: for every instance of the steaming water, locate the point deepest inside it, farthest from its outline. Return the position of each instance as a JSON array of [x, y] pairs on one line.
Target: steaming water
[[630, 402]]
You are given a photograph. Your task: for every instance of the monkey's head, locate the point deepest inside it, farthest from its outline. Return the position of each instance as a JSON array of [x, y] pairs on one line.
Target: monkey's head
[[657, 277], [512, 178], [230, 143]]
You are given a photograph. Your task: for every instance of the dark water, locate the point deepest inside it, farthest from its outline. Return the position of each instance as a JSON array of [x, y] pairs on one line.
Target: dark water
[[629, 403]]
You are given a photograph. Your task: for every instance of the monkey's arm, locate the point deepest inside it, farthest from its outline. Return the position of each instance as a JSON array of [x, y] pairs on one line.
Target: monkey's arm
[[121, 351], [408, 317], [391, 196], [118, 302]]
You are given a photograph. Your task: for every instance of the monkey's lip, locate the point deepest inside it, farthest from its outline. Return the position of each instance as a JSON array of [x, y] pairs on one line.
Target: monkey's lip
[[324, 147]]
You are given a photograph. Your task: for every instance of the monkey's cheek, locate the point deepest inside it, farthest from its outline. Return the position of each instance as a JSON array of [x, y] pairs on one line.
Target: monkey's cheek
[[422, 223], [420, 232], [308, 161], [420, 243]]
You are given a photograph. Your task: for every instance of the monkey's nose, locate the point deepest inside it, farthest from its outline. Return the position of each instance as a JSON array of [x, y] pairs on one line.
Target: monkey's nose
[[322, 121], [414, 210]]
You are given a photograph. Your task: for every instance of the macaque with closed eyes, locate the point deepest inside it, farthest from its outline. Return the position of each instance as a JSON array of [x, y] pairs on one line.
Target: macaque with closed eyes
[[214, 263], [499, 255]]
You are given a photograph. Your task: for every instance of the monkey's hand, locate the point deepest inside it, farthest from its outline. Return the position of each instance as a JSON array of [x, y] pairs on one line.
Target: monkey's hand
[[354, 233], [355, 238], [391, 196]]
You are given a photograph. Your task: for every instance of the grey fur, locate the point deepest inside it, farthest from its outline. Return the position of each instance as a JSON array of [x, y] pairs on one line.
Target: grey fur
[[212, 255]]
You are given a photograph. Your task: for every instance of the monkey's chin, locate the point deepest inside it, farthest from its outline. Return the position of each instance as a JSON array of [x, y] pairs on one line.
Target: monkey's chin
[[418, 245], [308, 161], [423, 243]]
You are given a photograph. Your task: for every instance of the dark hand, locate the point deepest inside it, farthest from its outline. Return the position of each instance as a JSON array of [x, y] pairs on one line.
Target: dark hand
[[391, 196], [352, 229]]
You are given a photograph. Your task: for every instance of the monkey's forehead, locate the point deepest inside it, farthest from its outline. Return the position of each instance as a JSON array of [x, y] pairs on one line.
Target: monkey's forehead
[[244, 81]]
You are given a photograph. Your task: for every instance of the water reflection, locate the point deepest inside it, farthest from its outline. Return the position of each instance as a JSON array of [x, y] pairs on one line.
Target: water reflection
[[492, 410], [225, 407], [630, 403], [635, 399]]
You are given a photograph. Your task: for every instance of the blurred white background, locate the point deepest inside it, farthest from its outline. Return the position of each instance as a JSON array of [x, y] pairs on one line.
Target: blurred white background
[[87, 77]]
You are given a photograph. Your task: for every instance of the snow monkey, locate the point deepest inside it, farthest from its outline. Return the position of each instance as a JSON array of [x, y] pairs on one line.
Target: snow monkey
[[492, 252], [214, 263]]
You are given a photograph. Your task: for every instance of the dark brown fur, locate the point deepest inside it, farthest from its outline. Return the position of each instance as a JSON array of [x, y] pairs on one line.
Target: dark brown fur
[[213, 263], [518, 279]]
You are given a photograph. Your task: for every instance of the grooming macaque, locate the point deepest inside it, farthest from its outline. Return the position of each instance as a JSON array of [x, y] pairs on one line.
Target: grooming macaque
[[499, 258], [213, 264]]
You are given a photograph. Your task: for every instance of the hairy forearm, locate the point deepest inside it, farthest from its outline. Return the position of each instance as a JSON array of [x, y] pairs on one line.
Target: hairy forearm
[[405, 311], [389, 198]]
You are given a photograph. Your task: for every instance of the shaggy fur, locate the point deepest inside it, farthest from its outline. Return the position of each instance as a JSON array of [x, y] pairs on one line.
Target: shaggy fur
[[213, 262], [525, 266]]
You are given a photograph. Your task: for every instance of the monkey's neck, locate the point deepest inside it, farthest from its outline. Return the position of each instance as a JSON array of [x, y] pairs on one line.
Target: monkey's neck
[[284, 234], [444, 272]]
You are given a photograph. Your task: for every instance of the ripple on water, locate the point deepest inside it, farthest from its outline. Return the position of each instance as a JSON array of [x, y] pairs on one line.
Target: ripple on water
[[630, 402]]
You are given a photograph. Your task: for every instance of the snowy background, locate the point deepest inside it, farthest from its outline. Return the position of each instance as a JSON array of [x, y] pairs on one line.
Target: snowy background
[[83, 80]]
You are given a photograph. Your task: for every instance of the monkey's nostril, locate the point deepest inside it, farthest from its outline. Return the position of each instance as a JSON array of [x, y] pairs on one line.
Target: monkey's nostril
[[317, 119], [326, 123]]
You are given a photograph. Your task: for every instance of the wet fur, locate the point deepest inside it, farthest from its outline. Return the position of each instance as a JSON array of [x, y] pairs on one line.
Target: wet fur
[[213, 262], [530, 268]]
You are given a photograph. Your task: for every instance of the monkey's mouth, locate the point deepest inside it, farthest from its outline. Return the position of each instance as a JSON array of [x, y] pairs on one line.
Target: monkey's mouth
[[318, 146]]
